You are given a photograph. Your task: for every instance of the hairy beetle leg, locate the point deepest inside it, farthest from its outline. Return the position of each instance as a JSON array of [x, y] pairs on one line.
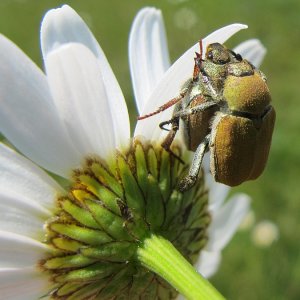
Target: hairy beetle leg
[[166, 144], [189, 111], [165, 106], [188, 181]]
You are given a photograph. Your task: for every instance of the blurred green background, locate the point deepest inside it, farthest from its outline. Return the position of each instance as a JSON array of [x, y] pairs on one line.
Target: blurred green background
[[248, 271]]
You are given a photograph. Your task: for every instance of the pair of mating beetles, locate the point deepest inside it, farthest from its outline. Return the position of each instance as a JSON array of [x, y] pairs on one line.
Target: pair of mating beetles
[[224, 107]]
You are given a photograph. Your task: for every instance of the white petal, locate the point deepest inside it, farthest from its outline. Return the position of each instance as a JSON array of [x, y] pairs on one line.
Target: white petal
[[265, 233], [208, 263], [79, 92], [252, 50], [21, 216], [22, 284], [217, 191], [62, 26], [217, 194], [27, 115], [18, 251], [170, 85], [148, 53], [226, 220], [21, 177]]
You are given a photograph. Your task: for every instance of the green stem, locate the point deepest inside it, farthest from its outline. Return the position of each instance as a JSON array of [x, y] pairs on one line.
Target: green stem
[[161, 257]]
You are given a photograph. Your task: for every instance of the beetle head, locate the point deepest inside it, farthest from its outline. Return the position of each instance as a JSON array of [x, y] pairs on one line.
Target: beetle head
[[218, 54], [215, 64]]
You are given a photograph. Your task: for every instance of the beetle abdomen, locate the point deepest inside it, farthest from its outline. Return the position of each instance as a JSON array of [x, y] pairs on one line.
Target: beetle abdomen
[[239, 150]]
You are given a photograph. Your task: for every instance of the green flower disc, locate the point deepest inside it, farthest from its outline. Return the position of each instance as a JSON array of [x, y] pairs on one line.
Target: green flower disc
[[109, 210]]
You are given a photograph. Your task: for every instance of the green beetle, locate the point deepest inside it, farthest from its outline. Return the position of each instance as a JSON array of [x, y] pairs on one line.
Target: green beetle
[[224, 107]]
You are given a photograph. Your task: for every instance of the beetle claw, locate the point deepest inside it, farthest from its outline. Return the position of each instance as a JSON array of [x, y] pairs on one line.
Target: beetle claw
[[186, 183], [177, 157]]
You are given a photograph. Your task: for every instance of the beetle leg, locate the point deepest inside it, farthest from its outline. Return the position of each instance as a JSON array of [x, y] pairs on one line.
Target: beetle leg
[[166, 144], [166, 105], [174, 121], [195, 109], [188, 181], [162, 124]]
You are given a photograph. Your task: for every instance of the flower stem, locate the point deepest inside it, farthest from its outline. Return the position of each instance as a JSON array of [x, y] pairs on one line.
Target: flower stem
[[160, 256]]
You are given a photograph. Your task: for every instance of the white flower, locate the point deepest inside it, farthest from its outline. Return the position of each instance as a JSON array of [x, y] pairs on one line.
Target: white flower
[[76, 109], [264, 234]]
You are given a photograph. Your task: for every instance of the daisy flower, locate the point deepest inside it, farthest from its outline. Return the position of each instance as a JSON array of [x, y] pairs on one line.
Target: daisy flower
[[98, 238]]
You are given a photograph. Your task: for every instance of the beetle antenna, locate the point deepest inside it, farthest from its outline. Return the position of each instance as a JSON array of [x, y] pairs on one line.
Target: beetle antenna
[[201, 48], [163, 107], [196, 66], [198, 61]]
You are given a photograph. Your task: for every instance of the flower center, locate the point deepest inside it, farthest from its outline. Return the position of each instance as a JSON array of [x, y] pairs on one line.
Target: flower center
[[109, 210]]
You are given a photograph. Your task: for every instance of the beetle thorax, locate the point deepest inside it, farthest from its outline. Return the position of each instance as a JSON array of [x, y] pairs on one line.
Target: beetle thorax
[[249, 94]]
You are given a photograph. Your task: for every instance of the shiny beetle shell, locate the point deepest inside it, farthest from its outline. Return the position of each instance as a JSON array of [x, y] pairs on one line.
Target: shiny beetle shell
[[239, 148]]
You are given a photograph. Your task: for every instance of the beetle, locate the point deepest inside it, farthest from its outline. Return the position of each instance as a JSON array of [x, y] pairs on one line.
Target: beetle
[[225, 108]]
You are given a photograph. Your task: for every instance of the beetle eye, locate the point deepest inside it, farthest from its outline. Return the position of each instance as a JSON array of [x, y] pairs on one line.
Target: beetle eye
[[210, 55], [217, 54]]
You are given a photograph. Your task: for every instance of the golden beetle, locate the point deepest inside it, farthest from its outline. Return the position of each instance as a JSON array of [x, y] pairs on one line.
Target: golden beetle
[[225, 107]]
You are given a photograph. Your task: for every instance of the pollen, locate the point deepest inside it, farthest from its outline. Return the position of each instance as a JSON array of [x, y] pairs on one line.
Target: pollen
[[110, 208]]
